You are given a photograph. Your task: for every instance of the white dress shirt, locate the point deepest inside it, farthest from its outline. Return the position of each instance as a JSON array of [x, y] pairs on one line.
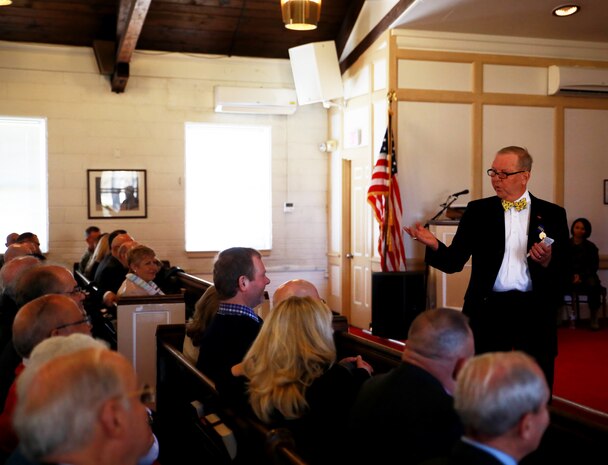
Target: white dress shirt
[[514, 274]]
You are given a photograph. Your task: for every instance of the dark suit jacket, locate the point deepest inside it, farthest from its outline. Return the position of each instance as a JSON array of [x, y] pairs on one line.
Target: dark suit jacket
[[402, 415], [465, 454], [320, 434], [110, 274], [481, 236]]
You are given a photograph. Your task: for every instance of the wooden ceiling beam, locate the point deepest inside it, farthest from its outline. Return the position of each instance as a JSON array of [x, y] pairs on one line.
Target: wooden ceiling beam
[[131, 17], [348, 24], [384, 24]]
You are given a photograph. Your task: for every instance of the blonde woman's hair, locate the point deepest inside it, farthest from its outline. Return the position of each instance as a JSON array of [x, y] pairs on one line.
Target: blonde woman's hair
[[101, 250], [294, 347], [204, 310]]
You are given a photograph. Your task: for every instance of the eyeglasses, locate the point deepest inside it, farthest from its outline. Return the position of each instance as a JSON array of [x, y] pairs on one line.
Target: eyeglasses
[[76, 290], [85, 320], [502, 174]]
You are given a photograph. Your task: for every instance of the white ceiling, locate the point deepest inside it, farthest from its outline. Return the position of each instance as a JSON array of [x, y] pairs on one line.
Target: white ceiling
[[520, 18]]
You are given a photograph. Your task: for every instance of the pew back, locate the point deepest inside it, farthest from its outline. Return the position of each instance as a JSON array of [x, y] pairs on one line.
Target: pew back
[[137, 319]]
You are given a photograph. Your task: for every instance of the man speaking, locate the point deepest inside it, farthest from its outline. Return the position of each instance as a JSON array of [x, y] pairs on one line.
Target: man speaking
[[518, 244]]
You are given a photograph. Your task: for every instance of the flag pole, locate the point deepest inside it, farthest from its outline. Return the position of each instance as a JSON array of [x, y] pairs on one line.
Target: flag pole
[[387, 220]]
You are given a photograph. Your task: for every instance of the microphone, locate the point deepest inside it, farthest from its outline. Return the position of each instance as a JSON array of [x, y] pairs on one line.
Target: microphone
[[466, 191]]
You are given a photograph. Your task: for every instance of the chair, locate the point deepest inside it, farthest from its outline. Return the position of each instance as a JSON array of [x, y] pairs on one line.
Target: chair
[[574, 299]]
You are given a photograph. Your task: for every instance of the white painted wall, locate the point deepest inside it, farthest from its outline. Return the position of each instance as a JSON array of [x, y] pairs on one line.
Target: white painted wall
[[89, 127]]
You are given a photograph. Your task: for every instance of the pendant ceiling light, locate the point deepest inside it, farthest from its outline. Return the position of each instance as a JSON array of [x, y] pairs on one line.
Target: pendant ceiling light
[[301, 15]]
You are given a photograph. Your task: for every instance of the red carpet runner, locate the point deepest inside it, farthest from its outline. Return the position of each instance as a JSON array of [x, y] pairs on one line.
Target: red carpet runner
[[581, 367]]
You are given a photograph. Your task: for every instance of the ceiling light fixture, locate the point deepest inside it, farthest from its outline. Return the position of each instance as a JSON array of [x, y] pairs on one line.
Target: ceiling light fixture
[[301, 15], [566, 10], [5, 2]]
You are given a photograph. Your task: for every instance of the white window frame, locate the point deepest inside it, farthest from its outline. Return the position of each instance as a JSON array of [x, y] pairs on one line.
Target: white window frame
[[228, 186], [23, 178]]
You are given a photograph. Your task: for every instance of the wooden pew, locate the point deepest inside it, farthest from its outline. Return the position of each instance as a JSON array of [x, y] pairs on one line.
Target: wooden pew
[[136, 323], [185, 438], [380, 357], [573, 436], [192, 289], [104, 326]]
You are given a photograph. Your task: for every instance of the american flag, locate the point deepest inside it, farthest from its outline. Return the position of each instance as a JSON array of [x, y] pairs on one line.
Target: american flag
[[385, 199]]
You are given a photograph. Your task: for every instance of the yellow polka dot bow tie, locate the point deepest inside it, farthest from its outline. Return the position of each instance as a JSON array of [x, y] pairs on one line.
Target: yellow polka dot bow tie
[[519, 204]]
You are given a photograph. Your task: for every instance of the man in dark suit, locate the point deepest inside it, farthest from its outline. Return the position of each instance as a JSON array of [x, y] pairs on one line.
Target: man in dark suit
[[111, 271], [408, 412], [519, 247], [501, 398]]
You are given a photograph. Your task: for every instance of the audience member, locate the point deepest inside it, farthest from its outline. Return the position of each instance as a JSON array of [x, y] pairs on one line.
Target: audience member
[[30, 238], [9, 274], [10, 239], [240, 279], [35, 282], [18, 250], [586, 261], [501, 398], [143, 266], [204, 310], [102, 250], [105, 261], [39, 319], [91, 236], [63, 345], [83, 408], [294, 287], [48, 349], [291, 288], [111, 271], [408, 412], [294, 380]]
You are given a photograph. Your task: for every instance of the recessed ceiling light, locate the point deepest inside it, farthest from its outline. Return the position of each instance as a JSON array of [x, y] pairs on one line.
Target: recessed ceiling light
[[5, 2], [566, 10]]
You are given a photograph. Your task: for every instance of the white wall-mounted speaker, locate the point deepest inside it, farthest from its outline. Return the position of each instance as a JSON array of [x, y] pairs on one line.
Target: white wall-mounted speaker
[[316, 72]]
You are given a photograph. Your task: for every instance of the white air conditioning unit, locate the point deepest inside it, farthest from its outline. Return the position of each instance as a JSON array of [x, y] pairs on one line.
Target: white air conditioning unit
[[255, 100], [578, 81]]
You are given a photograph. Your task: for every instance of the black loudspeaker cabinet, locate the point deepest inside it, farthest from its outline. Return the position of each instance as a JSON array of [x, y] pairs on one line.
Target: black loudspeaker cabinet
[[397, 298]]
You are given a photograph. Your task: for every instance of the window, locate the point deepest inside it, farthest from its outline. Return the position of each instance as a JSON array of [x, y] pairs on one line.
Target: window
[[228, 187], [23, 178]]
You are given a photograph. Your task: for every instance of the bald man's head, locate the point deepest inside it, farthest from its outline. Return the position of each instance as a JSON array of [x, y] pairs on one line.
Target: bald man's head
[[18, 250], [295, 287], [11, 271], [119, 241], [123, 251], [46, 279], [44, 317], [11, 238]]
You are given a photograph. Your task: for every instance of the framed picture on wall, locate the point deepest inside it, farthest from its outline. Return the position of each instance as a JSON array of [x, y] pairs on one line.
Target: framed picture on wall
[[117, 193], [605, 191]]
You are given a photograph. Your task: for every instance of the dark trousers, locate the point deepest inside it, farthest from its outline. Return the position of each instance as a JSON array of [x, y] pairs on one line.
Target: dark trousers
[[516, 321]]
